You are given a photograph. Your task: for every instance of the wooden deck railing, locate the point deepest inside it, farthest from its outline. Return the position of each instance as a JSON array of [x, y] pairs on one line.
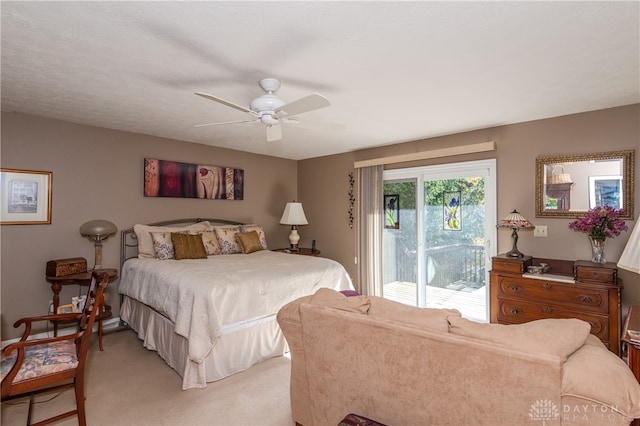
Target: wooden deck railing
[[445, 265]]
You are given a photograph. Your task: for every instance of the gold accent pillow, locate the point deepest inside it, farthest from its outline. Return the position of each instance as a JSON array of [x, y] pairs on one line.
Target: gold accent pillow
[[259, 230], [187, 246], [249, 241]]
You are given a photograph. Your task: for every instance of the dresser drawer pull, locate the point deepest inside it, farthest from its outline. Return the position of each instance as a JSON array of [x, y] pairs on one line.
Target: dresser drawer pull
[[547, 285], [547, 309], [586, 299], [515, 311], [514, 287]]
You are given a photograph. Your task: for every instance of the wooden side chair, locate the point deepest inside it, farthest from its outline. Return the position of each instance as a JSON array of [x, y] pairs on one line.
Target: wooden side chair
[[35, 366]]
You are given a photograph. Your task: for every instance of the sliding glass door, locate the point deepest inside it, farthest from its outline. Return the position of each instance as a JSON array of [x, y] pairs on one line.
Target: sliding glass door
[[438, 234]]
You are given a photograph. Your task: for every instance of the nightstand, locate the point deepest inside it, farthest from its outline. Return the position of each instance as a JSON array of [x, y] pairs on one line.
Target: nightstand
[[301, 250], [81, 279]]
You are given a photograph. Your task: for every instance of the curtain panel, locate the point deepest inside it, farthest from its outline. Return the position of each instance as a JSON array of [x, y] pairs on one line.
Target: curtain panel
[[369, 215]]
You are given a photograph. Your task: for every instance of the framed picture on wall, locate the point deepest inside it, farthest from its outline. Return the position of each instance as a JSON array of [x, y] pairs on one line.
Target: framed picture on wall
[[25, 197], [163, 178], [605, 191]]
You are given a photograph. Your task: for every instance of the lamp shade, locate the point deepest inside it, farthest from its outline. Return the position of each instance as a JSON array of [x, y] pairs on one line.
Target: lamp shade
[[293, 215], [515, 220], [98, 230], [630, 259]]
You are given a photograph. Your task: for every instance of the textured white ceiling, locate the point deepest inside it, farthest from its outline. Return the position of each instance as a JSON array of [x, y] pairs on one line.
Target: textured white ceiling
[[393, 71]]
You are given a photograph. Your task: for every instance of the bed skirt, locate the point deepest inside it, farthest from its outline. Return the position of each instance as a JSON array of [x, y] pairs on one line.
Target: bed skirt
[[240, 346]]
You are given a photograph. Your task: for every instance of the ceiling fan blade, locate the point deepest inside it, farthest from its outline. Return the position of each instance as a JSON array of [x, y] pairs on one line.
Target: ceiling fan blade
[[227, 103], [274, 133], [227, 122], [302, 105]]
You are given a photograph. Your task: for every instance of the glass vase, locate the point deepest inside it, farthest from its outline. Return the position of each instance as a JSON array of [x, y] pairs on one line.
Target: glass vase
[[597, 250]]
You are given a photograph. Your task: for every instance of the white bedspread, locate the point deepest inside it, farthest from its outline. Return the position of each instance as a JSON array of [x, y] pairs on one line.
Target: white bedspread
[[202, 295]]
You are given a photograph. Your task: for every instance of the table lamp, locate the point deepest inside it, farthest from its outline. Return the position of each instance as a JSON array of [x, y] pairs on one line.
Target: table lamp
[[293, 215], [98, 231], [630, 259], [515, 221]]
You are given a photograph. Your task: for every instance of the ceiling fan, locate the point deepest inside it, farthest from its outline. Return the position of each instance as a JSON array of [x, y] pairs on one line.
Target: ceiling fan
[[270, 110]]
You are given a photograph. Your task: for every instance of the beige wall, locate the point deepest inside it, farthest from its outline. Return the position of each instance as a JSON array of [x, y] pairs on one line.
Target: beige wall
[[97, 174], [323, 183]]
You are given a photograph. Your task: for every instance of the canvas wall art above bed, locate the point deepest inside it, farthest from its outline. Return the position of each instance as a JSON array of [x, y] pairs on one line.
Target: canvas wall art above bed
[[205, 294]]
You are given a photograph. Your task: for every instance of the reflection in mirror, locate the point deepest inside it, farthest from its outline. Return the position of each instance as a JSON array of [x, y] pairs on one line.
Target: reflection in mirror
[[569, 185]]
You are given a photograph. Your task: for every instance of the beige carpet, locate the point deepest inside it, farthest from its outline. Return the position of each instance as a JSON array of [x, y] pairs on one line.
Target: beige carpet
[[129, 385]]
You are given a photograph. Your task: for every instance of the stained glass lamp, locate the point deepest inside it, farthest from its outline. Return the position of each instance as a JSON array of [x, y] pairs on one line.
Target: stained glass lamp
[[515, 221]]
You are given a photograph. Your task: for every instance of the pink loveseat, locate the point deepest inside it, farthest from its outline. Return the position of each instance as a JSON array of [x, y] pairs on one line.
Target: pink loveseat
[[400, 365]]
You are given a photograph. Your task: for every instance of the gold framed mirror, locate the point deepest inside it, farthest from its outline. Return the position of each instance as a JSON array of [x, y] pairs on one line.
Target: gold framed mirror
[[569, 185]]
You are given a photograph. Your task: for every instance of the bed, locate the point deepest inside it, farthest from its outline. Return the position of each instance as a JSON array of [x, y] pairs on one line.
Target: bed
[[213, 316]]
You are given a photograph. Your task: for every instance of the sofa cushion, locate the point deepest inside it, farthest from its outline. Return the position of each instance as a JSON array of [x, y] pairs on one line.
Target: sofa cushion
[[556, 337], [432, 319], [335, 299], [612, 384]]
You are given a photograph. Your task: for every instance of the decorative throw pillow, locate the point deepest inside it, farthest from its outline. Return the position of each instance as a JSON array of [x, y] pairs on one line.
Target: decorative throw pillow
[[162, 245], [249, 241], [259, 230], [210, 242], [188, 246], [145, 240], [227, 239]]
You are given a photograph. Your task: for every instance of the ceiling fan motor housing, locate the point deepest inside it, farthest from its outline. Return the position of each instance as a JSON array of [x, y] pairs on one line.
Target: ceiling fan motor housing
[[266, 103]]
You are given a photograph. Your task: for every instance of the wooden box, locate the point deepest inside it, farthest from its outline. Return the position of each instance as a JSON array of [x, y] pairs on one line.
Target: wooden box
[[62, 267], [515, 265]]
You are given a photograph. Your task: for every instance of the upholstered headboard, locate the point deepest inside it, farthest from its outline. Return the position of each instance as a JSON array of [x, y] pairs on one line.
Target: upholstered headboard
[[129, 240]]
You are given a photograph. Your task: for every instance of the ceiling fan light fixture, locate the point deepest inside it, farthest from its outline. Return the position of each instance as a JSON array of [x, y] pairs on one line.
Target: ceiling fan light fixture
[[269, 120]]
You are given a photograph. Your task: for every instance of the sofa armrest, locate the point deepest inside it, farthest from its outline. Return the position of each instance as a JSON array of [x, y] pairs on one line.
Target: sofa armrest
[[289, 320]]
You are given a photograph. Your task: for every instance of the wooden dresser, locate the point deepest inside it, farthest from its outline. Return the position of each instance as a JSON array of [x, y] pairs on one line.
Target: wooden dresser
[[579, 289]]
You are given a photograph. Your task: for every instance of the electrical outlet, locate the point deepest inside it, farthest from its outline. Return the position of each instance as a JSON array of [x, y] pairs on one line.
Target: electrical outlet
[[540, 231]]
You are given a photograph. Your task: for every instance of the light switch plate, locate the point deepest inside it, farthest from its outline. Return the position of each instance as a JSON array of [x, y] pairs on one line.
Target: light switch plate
[[540, 231]]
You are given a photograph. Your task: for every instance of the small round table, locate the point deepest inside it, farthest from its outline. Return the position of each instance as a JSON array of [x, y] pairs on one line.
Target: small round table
[[83, 278]]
